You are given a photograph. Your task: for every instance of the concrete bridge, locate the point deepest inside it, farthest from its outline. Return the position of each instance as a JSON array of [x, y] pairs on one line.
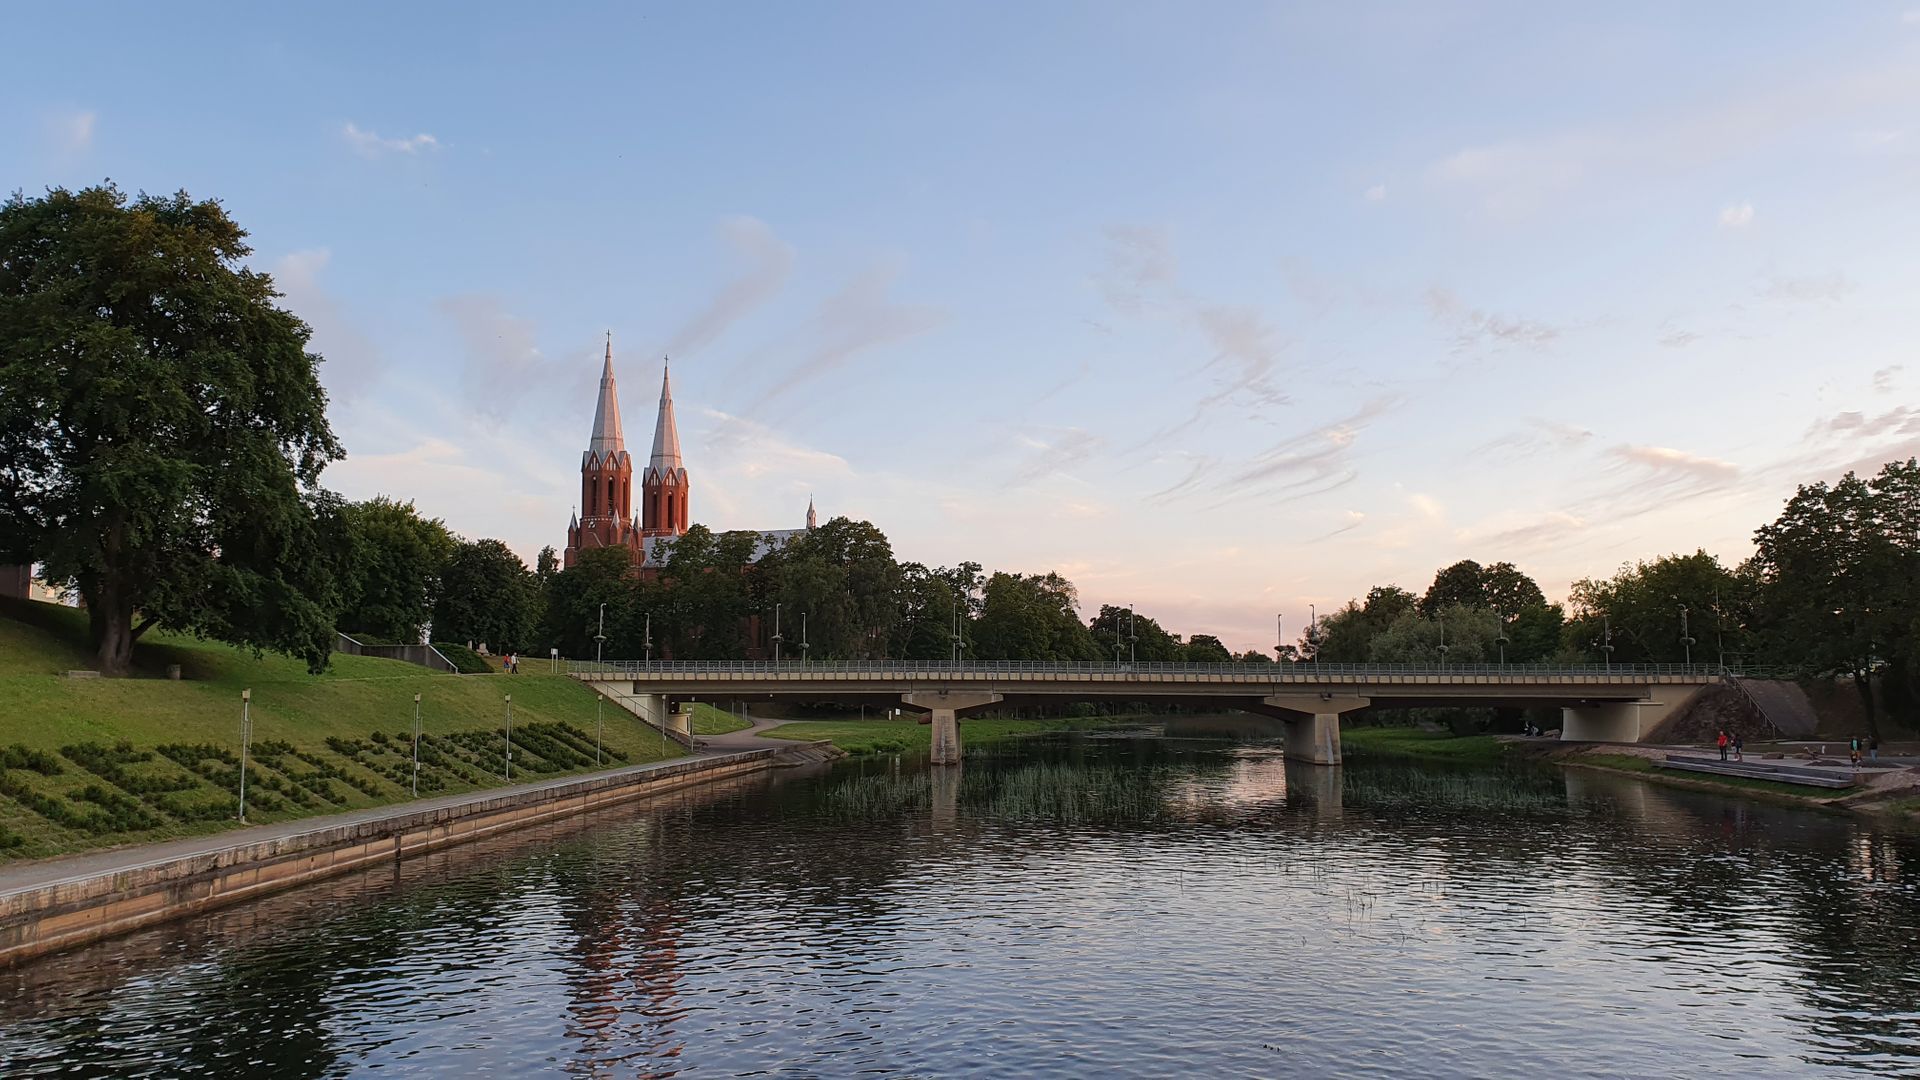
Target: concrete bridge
[[1617, 704]]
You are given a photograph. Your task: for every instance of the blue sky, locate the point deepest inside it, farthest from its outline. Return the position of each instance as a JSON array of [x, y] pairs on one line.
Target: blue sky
[[1221, 309]]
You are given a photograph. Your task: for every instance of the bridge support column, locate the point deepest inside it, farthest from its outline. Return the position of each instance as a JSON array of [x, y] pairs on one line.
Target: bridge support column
[[1601, 721], [947, 707], [1313, 724]]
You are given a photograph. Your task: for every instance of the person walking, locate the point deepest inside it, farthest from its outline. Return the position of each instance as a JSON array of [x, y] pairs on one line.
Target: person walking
[[1873, 749], [1853, 752], [1739, 745], [1721, 742]]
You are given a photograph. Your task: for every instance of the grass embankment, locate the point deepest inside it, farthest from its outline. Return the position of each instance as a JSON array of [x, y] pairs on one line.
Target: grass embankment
[[88, 763], [865, 737], [1407, 742], [1646, 767], [709, 720]]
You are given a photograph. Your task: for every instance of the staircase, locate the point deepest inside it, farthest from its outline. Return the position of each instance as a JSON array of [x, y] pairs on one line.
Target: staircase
[[1780, 702]]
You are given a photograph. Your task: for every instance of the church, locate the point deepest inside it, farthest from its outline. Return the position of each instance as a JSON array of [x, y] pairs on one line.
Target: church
[[606, 516]]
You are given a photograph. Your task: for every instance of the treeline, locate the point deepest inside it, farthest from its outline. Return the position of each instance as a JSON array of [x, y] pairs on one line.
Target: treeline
[[1832, 591]]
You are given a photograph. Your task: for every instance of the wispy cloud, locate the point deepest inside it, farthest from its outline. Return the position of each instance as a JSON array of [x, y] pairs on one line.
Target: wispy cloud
[[1678, 339], [767, 263], [1883, 378], [1311, 463], [1536, 436], [1139, 260], [71, 130], [1737, 216], [503, 359], [1376, 193], [1056, 453], [371, 144], [352, 363], [1820, 288], [859, 317], [1535, 173], [1668, 461], [1473, 327]]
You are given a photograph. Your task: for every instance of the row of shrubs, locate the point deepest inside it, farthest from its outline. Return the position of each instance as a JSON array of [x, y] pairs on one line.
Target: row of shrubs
[[135, 796]]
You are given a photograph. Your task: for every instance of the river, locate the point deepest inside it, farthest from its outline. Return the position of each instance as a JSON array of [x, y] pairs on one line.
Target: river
[[1067, 907]]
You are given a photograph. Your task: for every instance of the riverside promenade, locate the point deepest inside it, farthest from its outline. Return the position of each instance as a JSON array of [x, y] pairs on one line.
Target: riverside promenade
[[58, 903]]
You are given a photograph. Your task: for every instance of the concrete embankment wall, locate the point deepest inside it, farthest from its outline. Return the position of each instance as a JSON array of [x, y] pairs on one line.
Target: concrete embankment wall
[[62, 914]]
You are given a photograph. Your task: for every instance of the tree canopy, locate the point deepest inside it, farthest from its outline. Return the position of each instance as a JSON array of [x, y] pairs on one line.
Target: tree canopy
[[162, 426]]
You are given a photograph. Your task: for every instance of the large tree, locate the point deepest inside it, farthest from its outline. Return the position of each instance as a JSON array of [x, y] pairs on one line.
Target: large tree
[[487, 594], [162, 426], [1839, 582], [398, 558]]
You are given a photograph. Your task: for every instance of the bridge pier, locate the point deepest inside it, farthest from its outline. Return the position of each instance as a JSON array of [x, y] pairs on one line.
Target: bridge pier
[[947, 706], [1601, 721], [1313, 724]]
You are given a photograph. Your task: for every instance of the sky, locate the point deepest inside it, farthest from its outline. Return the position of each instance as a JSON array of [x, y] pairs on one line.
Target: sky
[[1223, 310]]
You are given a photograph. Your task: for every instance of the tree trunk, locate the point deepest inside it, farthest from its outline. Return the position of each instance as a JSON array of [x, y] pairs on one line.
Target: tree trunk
[[1863, 682], [110, 614]]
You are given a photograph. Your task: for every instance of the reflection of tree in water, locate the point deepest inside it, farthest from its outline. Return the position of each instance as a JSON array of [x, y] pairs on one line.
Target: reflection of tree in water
[[1832, 897], [623, 992]]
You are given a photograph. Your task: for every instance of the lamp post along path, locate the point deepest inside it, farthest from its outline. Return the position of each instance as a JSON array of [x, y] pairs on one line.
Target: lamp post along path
[[246, 737], [416, 745], [509, 734]]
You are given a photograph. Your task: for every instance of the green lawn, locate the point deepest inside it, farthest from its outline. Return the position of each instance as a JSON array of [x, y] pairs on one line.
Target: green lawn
[[323, 743], [709, 720], [860, 737], [1415, 743]]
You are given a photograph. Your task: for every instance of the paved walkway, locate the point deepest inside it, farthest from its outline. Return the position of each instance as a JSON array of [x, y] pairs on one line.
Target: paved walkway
[[734, 742], [41, 872]]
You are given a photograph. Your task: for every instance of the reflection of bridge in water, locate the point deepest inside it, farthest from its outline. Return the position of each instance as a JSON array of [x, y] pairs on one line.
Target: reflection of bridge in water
[[1617, 704]]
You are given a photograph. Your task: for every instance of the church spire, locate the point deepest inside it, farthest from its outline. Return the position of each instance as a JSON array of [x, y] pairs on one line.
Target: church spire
[[607, 438], [666, 434], [811, 519]]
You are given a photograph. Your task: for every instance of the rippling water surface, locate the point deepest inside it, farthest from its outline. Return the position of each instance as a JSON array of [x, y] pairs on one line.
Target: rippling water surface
[[1097, 906]]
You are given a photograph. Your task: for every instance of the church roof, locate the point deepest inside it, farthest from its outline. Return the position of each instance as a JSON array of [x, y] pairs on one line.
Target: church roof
[[607, 438], [666, 434]]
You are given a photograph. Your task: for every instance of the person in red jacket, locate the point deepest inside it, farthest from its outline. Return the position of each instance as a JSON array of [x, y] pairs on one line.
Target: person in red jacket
[[1722, 743]]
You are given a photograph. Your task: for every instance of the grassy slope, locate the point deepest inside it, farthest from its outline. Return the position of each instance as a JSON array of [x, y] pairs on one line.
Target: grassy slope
[[708, 720], [897, 736], [42, 709]]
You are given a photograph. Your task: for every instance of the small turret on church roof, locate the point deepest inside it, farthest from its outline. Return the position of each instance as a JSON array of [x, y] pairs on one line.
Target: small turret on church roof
[[607, 438], [666, 434]]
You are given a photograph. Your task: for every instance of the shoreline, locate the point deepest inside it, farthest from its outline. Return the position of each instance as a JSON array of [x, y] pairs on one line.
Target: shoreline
[[1899, 803], [48, 906]]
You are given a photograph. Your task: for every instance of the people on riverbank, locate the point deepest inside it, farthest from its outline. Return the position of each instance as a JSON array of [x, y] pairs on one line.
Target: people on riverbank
[[1722, 741], [1739, 745]]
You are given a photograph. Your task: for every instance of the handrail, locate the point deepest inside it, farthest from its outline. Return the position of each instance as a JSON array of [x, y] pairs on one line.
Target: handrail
[[1293, 672]]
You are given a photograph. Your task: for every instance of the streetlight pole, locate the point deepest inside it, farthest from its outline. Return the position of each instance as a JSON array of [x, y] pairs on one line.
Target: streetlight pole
[[1313, 634], [1279, 639], [1686, 636], [509, 733], [600, 636], [416, 743], [1719, 637], [1442, 624], [246, 737], [776, 635], [649, 639], [1502, 642], [804, 643], [1132, 639], [1606, 640]]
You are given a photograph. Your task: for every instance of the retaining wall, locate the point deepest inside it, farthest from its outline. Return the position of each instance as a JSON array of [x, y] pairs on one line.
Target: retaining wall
[[45, 918]]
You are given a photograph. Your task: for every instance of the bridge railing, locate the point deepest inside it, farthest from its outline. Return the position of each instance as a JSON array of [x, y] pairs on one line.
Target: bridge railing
[[1257, 672]]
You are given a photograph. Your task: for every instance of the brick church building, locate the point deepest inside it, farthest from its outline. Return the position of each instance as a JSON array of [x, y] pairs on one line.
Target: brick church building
[[607, 517]]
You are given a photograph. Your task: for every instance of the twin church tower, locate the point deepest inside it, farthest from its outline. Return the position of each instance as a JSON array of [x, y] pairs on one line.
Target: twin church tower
[[607, 517]]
